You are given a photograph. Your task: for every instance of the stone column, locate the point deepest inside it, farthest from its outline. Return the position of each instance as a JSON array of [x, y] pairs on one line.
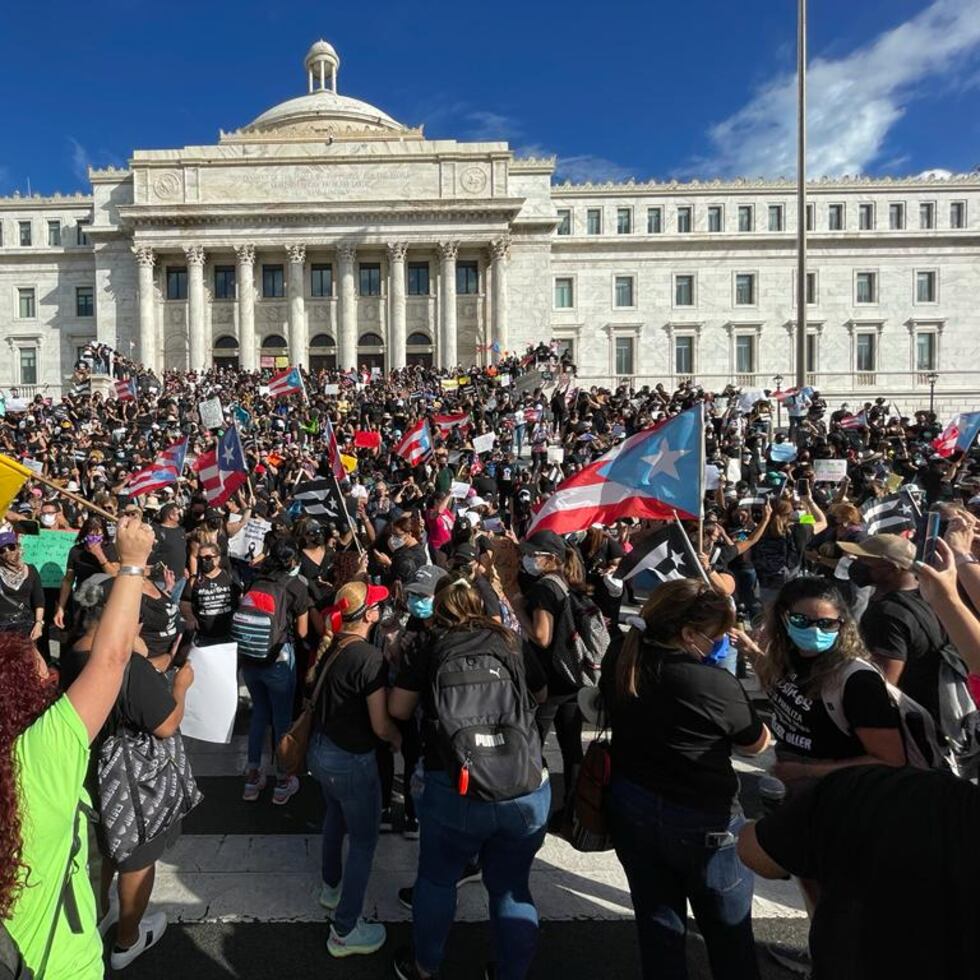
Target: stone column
[[195, 307], [347, 341], [298, 342], [500, 253], [396, 335], [447, 275], [245, 276], [148, 345]]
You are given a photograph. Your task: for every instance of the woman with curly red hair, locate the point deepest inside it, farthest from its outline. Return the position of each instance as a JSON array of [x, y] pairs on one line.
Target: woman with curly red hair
[[46, 901]]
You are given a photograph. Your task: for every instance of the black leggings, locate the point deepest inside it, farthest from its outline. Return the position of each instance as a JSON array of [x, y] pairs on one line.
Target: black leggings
[[563, 711]]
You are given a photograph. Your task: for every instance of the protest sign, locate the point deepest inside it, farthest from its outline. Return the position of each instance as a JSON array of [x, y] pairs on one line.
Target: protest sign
[[211, 701], [331, 389], [712, 477], [16, 404], [34, 465], [734, 470], [459, 490], [449, 384], [212, 415], [504, 380], [556, 454], [48, 553], [247, 543], [463, 380], [528, 382], [349, 462], [829, 470], [484, 443]]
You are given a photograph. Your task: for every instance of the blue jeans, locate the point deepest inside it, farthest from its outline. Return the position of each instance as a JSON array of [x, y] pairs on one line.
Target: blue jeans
[[672, 854], [271, 689], [454, 829], [352, 792]]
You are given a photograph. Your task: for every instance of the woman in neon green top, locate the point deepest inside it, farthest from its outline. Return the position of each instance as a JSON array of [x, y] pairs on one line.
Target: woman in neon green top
[[46, 901]]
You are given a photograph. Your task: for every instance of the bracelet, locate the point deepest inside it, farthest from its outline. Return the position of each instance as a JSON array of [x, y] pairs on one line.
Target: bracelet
[[132, 570]]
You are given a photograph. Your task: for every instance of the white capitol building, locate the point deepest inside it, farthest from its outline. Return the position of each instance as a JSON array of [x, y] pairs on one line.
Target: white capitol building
[[324, 232]]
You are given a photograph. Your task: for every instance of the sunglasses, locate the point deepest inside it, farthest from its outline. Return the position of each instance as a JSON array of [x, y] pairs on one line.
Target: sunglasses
[[801, 621], [8, 547]]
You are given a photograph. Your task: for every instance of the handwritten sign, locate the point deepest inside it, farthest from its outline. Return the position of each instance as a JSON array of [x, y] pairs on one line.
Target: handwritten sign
[[48, 553], [829, 470], [459, 490], [484, 443], [212, 414], [249, 541], [556, 454], [331, 388], [449, 384]]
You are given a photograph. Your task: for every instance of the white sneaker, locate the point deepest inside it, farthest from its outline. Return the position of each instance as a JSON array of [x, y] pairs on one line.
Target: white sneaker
[[109, 919], [152, 928], [285, 790]]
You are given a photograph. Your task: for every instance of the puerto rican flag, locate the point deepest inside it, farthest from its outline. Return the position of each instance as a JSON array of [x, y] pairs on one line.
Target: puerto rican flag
[[333, 452], [416, 444], [288, 382], [657, 473], [164, 470], [445, 423], [959, 435], [854, 421], [222, 470], [531, 415], [125, 389]]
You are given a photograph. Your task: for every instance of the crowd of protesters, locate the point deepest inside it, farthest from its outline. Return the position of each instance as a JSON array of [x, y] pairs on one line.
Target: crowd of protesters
[[864, 652]]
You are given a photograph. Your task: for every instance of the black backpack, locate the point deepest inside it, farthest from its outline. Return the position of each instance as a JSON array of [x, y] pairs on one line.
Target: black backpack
[[484, 716], [581, 637], [259, 625], [12, 965]]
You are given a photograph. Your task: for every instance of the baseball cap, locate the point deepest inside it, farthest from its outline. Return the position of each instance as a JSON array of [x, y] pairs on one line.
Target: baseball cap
[[463, 553], [426, 580], [891, 547], [546, 542], [7, 537]]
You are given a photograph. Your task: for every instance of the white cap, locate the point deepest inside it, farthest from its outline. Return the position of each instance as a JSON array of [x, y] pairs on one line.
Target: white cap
[[477, 502]]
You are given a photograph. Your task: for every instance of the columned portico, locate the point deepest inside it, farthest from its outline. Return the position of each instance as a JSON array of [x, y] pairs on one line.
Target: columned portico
[[500, 253], [245, 275], [298, 343], [447, 302], [147, 328], [396, 336], [195, 307], [347, 341]]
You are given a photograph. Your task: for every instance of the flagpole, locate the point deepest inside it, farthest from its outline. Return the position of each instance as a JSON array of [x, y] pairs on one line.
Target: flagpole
[[801, 196], [343, 505], [704, 456], [81, 501], [695, 557]]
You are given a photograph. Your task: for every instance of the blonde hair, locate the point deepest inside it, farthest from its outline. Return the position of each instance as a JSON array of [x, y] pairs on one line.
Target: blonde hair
[[349, 606], [459, 606]]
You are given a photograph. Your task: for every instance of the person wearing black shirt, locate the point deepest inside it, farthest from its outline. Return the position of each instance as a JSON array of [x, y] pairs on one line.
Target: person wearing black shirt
[[21, 595], [214, 597], [171, 547], [673, 806], [92, 554], [895, 854], [350, 721]]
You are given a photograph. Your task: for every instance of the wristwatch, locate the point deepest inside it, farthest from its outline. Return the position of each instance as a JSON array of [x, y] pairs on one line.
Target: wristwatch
[[137, 570]]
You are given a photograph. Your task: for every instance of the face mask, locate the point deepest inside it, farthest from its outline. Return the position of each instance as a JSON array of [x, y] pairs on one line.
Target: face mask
[[93, 539], [395, 542], [530, 565], [421, 606], [207, 564], [811, 639], [48, 520], [293, 572], [860, 575], [719, 650]]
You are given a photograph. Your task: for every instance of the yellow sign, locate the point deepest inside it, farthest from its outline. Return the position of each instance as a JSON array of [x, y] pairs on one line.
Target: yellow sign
[[350, 462], [282, 362], [463, 380], [449, 384]]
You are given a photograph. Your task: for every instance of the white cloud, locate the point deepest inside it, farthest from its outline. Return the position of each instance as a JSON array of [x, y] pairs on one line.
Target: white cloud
[[853, 101], [80, 160], [585, 168], [484, 126]]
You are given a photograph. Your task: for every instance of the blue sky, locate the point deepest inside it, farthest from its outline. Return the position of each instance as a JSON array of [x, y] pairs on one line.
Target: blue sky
[[617, 89]]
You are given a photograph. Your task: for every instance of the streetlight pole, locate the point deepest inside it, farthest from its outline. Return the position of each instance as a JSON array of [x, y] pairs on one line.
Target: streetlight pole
[[932, 377], [801, 195], [779, 402]]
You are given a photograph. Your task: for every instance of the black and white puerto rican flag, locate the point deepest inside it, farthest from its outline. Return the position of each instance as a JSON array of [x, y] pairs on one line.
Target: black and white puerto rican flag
[[319, 498], [665, 555], [892, 514]]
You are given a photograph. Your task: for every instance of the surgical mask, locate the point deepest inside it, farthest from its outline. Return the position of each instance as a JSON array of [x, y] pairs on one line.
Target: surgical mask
[[421, 606], [293, 572], [811, 639], [48, 520], [93, 539], [719, 650], [530, 565], [860, 575]]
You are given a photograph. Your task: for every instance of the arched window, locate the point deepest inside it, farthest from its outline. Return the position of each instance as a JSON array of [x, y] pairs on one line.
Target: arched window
[[226, 342], [419, 340], [371, 340], [322, 340], [273, 342]]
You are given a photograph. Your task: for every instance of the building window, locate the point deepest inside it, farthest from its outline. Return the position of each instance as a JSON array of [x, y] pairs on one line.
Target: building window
[[714, 218], [809, 217], [865, 349], [28, 365], [745, 289], [624, 221], [655, 221], [25, 232], [745, 354], [896, 216], [957, 214], [54, 234], [593, 221], [684, 355], [565, 349], [684, 290], [866, 217], [564, 221], [624, 355], [811, 288], [775, 217], [321, 279], [811, 353], [683, 220], [866, 290], [26, 307], [927, 215], [418, 278], [84, 301], [273, 282], [369, 278], [176, 282], [746, 217], [224, 282], [925, 350], [80, 227], [467, 278], [624, 292], [925, 287], [835, 217], [564, 294]]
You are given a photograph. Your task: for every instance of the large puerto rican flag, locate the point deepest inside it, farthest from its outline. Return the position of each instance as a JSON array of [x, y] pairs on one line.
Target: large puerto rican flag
[[288, 382], [165, 469], [222, 470], [125, 389], [959, 435], [416, 444], [655, 474]]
